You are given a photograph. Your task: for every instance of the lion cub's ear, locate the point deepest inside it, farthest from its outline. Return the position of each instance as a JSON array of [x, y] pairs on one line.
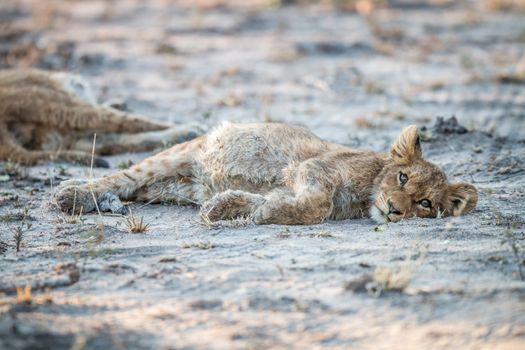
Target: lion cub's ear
[[407, 147], [460, 199]]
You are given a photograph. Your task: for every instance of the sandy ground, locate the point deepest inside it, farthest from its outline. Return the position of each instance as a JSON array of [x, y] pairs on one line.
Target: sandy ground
[[352, 79]]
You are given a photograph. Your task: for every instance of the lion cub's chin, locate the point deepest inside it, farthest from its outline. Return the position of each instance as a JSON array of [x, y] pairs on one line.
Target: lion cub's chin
[[378, 216], [381, 218]]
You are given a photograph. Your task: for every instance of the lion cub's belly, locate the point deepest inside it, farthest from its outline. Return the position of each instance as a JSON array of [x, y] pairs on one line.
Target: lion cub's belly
[[252, 156]]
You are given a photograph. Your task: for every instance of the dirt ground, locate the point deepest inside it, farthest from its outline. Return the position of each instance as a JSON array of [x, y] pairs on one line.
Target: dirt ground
[[352, 78]]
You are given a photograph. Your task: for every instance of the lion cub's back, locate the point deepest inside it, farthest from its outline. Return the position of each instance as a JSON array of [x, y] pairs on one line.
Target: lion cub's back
[[257, 153]]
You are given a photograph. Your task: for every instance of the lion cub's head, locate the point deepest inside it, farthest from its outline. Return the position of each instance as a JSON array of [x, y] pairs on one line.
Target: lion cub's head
[[410, 186]]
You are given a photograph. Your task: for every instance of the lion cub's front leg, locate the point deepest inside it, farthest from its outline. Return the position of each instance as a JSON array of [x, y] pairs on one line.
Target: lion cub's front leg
[[278, 207], [307, 200], [304, 207], [231, 204]]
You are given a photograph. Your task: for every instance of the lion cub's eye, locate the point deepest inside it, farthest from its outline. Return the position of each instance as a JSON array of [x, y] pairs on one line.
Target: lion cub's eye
[[425, 203], [403, 178]]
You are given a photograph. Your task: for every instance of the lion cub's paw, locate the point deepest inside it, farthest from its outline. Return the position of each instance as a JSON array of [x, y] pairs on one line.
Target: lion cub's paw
[[180, 134], [74, 200], [111, 202], [230, 205], [262, 215], [212, 210]]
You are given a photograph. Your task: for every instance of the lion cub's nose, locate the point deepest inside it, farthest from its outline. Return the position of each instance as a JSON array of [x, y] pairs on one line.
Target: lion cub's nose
[[392, 209]]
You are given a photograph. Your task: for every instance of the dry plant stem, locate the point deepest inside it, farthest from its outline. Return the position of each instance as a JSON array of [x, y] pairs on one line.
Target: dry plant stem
[[91, 175], [74, 202]]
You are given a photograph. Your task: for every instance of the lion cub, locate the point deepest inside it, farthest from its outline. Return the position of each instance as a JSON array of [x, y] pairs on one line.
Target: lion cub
[[53, 116], [284, 174]]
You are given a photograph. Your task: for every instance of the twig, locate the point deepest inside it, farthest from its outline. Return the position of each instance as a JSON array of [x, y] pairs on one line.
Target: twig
[[90, 184]]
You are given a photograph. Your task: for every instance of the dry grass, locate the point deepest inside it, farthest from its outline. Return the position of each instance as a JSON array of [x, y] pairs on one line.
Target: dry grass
[[383, 33], [73, 219], [206, 222], [373, 88], [387, 279], [19, 231], [24, 296], [18, 235], [284, 53], [135, 224], [231, 100], [363, 7], [322, 234], [10, 217], [394, 279], [364, 123], [80, 342], [285, 233], [201, 244], [168, 259]]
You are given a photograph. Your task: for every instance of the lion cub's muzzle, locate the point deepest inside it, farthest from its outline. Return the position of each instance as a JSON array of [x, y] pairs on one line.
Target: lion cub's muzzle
[[394, 206]]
